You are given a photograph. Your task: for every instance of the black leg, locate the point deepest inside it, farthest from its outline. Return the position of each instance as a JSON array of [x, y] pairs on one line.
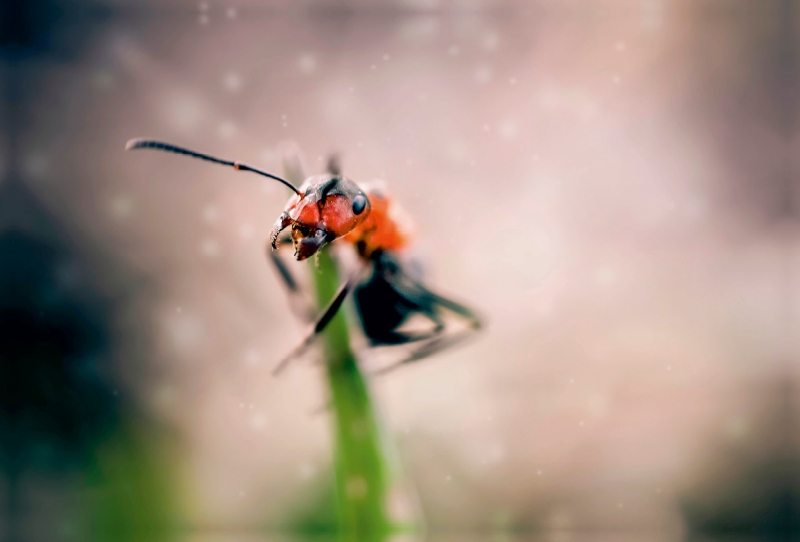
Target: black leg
[[326, 317], [433, 346], [299, 302], [438, 340], [471, 319], [397, 338]]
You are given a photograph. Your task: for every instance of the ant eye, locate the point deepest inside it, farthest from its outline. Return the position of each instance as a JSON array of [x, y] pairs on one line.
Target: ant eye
[[359, 204]]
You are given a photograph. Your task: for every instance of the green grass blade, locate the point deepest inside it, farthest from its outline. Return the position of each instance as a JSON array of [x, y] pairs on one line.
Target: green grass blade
[[362, 469]]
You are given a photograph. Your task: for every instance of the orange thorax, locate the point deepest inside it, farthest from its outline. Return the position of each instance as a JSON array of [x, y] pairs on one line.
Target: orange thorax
[[387, 227]]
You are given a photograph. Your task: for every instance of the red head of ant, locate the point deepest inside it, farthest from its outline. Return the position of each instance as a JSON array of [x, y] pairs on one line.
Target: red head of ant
[[324, 208]]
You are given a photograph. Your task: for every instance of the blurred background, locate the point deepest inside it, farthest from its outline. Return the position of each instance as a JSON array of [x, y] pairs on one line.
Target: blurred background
[[611, 184]]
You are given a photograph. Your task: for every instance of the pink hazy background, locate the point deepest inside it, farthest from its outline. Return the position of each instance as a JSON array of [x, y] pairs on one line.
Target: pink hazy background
[[608, 183]]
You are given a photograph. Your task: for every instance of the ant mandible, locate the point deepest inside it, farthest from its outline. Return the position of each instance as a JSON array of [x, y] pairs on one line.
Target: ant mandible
[[329, 207]]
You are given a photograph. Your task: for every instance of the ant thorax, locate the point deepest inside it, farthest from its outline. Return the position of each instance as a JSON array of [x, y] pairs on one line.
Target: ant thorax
[[387, 228]]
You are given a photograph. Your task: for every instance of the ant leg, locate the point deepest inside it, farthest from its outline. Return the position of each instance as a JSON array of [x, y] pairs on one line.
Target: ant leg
[[292, 160], [433, 346], [438, 341], [398, 338], [472, 319], [322, 322], [298, 300]]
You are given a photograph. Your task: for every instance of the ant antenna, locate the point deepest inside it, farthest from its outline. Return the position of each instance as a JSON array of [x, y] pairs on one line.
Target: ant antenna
[[159, 145], [334, 166]]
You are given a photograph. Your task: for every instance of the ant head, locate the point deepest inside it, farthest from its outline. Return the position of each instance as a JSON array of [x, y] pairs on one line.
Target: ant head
[[325, 208]]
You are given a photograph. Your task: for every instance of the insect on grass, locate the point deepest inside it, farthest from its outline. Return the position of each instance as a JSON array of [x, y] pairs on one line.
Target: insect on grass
[[331, 207], [324, 209]]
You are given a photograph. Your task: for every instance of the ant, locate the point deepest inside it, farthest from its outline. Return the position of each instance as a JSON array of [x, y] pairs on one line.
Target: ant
[[328, 207]]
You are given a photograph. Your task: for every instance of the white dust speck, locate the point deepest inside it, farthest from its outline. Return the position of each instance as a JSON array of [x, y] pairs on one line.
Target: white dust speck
[[226, 130], [210, 214], [606, 275], [35, 164], [457, 151], [307, 63], [483, 75], [736, 428], [232, 82], [417, 29], [268, 156], [210, 248], [186, 331], [489, 41], [356, 487], [246, 231], [454, 50], [182, 110], [122, 206], [252, 357], [306, 471], [598, 406], [163, 397], [103, 80], [652, 13], [508, 129]]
